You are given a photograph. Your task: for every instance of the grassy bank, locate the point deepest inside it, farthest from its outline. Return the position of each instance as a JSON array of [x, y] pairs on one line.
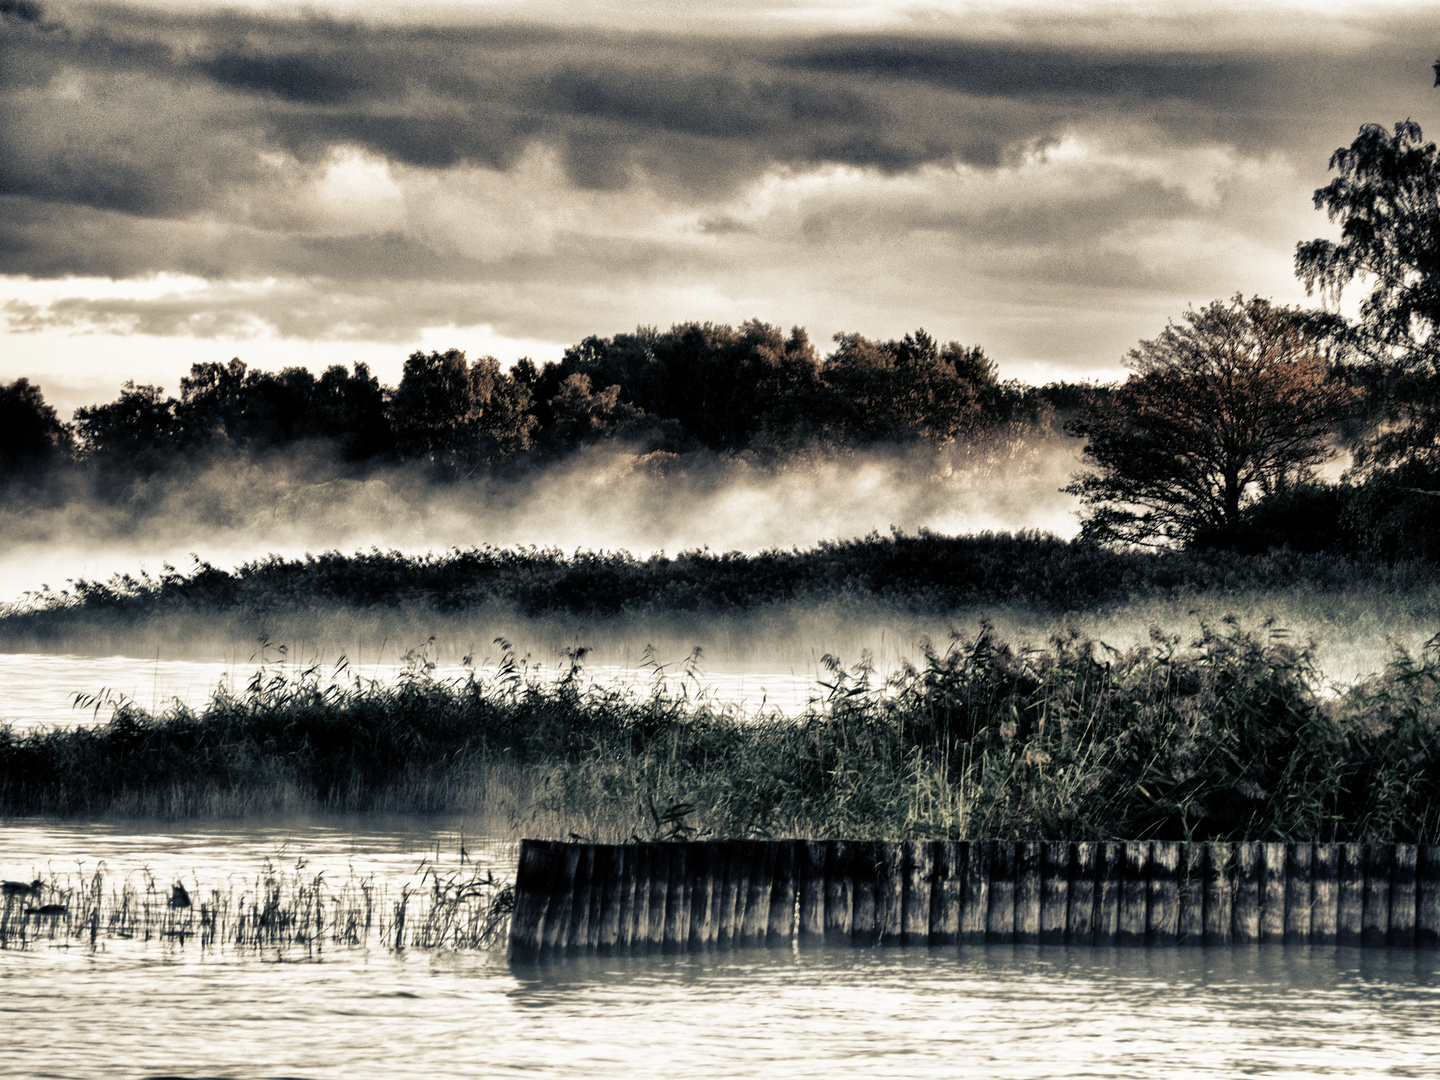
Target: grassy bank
[[1227, 737], [923, 574]]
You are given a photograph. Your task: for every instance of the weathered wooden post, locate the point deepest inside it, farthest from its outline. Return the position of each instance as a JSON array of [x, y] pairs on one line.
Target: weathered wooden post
[[1055, 892], [1029, 858], [1403, 896], [1190, 888], [1324, 893], [1162, 925], [1246, 903], [1350, 913], [533, 876], [1375, 929], [890, 893], [1219, 893], [865, 860], [676, 932], [1134, 894], [813, 856], [1272, 892], [1109, 882], [1080, 919], [839, 892], [975, 893], [780, 929], [919, 873], [946, 896], [1298, 895], [1000, 923]]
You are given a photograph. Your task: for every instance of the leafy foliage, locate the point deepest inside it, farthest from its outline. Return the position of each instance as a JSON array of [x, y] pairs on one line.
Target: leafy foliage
[[1233, 401]]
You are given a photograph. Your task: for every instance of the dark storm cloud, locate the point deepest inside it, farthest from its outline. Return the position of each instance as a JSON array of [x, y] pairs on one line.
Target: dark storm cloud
[[134, 142]]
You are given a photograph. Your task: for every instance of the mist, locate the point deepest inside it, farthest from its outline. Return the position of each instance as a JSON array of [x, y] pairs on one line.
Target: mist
[[602, 498]]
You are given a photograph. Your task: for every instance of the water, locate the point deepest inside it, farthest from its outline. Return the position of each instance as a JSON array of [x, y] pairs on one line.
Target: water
[[149, 1009], [39, 689]]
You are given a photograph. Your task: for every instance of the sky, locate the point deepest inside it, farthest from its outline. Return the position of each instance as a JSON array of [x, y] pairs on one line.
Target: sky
[[351, 181]]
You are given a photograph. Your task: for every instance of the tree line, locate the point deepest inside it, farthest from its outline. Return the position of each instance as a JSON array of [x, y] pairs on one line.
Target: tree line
[[697, 386]]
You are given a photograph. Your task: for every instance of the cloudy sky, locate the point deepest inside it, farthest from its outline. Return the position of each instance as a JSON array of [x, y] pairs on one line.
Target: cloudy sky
[[183, 182]]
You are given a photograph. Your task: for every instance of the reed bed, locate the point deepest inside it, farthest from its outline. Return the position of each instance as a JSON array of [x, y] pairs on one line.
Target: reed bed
[[1233, 735], [284, 911]]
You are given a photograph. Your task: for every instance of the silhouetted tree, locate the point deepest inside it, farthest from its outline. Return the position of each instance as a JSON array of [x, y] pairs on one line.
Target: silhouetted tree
[[1234, 401], [32, 438], [912, 388], [134, 433], [1387, 201], [459, 415]]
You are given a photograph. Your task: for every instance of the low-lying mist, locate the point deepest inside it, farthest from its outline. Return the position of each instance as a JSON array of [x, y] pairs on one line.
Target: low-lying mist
[[599, 499]]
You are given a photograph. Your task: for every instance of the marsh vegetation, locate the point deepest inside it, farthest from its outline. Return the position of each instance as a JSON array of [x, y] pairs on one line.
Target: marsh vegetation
[[1231, 736]]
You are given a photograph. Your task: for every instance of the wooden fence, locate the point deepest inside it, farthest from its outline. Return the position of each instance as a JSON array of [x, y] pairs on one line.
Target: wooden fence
[[726, 894]]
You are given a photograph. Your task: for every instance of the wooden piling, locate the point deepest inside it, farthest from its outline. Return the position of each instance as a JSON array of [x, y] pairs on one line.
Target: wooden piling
[[1108, 882], [919, 869], [1427, 900], [1298, 894], [1055, 892], [602, 898], [1219, 893], [890, 892], [1134, 894], [780, 920], [1350, 911], [1162, 924], [865, 860], [1000, 922], [700, 868], [946, 894], [605, 921], [677, 915], [1190, 893], [1080, 918], [1029, 866], [975, 893], [757, 902], [1402, 896], [1245, 894], [659, 893], [1324, 893], [839, 892], [1375, 928], [533, 875], [1272, 892], [813, 855]]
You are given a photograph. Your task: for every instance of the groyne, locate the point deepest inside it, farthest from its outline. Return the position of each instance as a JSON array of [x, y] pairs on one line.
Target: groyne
[[677, 896]]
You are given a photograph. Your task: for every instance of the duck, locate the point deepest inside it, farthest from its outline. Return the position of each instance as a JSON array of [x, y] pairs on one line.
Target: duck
[[179, 898], [19, 888]]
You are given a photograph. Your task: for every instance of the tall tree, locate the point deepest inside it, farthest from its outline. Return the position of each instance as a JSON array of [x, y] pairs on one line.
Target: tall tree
[[459, 415], [1387, 201], [31, 434], [1236, 400]]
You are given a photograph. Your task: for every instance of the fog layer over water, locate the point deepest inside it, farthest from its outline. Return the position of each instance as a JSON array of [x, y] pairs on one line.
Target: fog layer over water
[[132, 1008], [602, 499]]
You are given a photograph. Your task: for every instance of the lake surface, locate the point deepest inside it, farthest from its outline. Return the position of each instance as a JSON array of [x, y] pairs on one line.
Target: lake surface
[[134, 1008], [40, 689]]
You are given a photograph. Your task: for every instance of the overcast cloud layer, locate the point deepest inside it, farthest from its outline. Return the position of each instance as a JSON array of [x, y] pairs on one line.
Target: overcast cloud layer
[[1051, 185]]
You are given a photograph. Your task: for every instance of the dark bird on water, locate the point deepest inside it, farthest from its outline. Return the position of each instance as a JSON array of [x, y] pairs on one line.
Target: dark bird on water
[[179, 898], [47, 909], [19, 888]]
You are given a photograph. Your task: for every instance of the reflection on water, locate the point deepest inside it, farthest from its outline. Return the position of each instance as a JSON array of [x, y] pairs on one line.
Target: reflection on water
[[134, 1009]]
